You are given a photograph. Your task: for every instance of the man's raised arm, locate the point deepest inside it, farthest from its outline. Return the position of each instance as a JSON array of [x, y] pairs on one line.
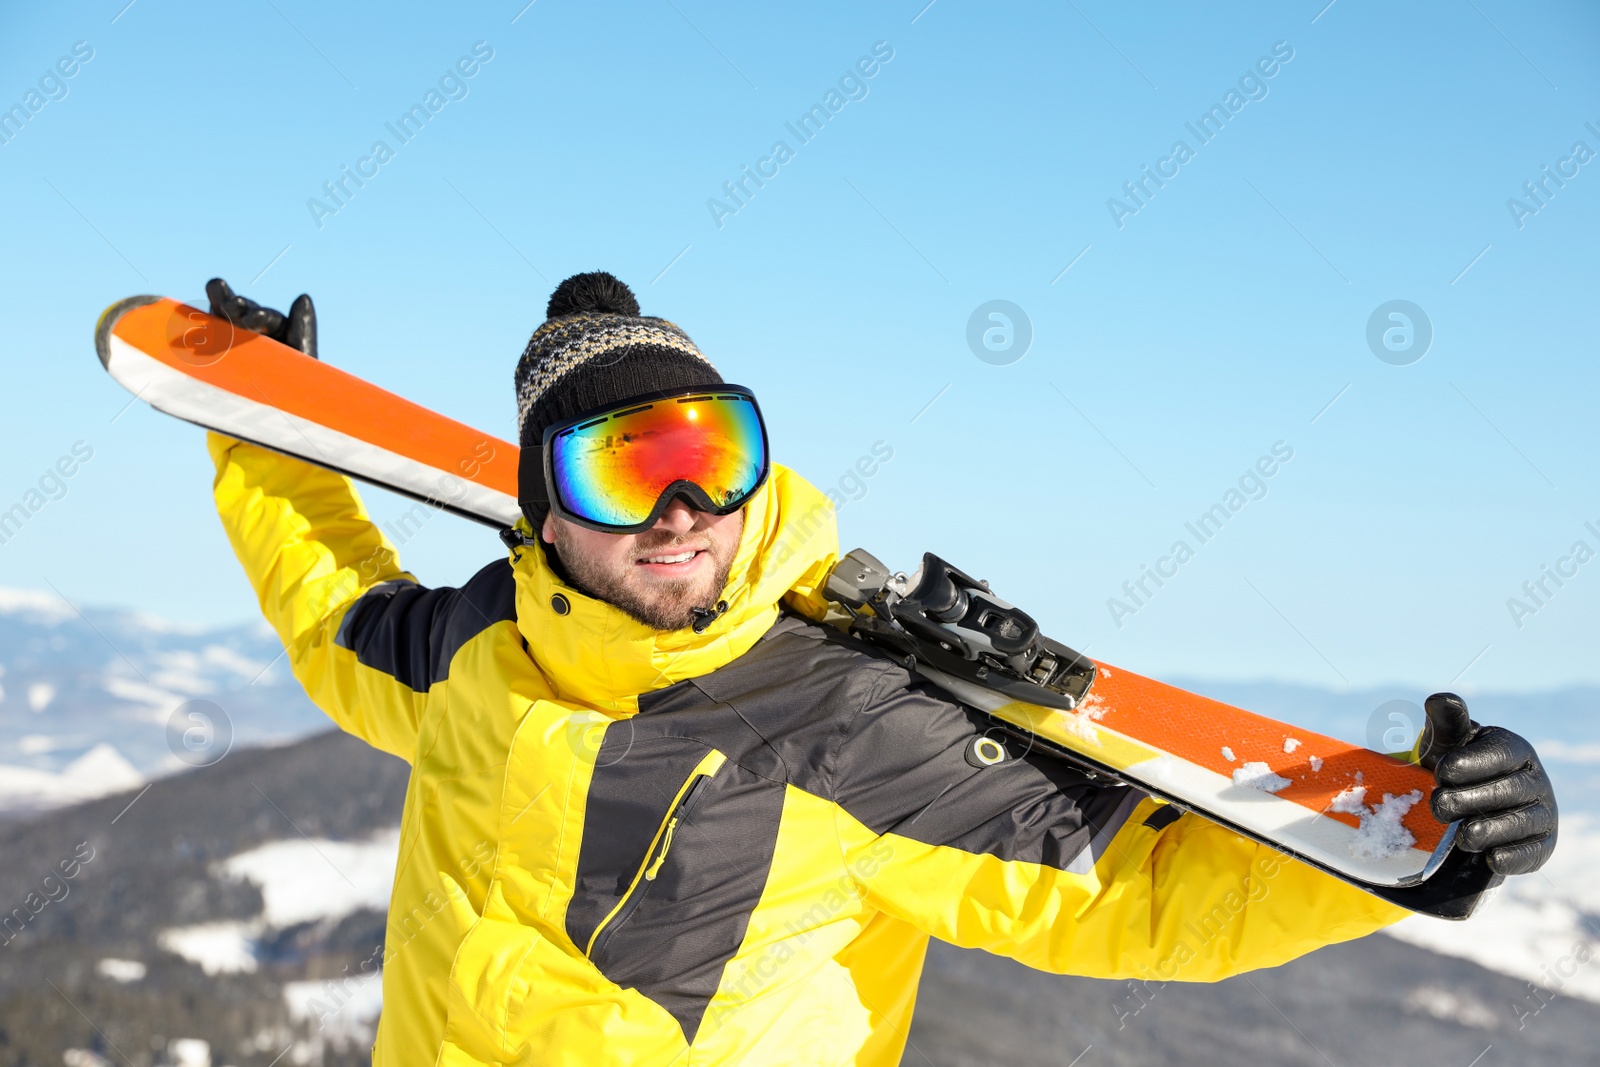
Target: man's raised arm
[[326, 578]]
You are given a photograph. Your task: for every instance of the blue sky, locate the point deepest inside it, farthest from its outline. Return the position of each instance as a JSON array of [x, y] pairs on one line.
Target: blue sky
[[1173, 346]]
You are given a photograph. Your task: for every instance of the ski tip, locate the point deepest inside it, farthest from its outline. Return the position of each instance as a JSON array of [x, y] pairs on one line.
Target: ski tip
[[108, 321]]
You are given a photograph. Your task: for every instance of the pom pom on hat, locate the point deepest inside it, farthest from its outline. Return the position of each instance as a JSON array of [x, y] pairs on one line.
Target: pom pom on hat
[[597, 292]]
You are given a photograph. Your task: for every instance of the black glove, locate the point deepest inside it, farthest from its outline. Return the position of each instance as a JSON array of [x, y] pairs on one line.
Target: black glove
[[1492, 779], [298, 329]]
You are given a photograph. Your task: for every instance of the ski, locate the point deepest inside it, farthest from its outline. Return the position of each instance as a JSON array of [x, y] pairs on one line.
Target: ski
[[186, 363], [1358, 815]]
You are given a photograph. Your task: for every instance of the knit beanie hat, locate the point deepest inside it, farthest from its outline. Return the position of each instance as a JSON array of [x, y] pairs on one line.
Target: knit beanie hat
[[594, 350]]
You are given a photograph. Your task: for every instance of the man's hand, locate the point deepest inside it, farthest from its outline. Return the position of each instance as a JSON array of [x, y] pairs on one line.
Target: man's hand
[[298, 329], [1492, 779]]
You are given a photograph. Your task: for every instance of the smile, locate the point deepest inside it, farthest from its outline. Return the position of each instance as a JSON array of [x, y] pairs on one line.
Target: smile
[[673, 558]]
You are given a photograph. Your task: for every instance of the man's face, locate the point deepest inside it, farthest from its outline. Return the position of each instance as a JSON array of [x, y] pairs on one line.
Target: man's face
[[657, 576]]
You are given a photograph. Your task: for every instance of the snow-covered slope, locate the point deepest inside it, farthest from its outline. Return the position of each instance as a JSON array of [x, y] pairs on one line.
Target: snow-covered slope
[[86, 699], [301, 880], [240, 903]]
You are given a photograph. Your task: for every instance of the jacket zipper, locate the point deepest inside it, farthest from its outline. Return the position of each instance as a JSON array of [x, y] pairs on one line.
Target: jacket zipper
[[656, 857]]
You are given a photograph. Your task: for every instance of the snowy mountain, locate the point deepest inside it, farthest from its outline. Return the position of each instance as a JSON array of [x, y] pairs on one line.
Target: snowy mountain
[[94, 703], [210, 907]]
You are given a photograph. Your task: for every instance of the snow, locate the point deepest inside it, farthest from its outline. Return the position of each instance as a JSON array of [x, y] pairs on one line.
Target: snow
[[29, 789], [121, 970], [1538, 927], [179, 671], [229, 660], [84, 691], [158, 625], [161, 701], [1290, 744], [105, 765], [1380, 833], [1451, 1006], [183, 670], [1352, 801], [301, 880], [1383, 835], [226, 947], [1227, 754], [1257, 775], [38, 744], [1080, 721], [344, 1011], [98, 772], [189, 1052], [1316, 764], [82, 1057], [40, 694]]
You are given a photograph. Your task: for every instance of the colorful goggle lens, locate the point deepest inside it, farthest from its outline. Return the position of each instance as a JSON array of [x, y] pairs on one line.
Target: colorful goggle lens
[[613, 469]]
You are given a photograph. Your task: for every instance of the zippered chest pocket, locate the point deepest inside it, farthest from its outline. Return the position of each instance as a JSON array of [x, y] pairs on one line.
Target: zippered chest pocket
[[658, 855]]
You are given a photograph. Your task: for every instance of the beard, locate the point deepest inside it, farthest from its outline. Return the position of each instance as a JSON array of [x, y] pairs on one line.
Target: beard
[[659, 605]]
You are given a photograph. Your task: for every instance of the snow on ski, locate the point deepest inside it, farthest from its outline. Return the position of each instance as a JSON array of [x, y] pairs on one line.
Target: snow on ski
[[1357, 814], [1232, 763]]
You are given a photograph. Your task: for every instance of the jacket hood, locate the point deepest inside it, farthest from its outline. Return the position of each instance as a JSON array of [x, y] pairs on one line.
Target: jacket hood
[[597, 656]]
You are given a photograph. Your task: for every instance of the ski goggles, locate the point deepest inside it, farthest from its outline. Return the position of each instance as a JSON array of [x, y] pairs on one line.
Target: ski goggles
[[617, 470]]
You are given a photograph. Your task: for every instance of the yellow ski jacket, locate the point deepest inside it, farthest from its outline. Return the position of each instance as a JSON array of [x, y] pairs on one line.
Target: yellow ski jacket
[[622, 846]]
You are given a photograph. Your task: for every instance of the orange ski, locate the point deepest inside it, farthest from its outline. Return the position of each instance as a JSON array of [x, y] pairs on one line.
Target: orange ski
[[187, 363], [1359, 815]]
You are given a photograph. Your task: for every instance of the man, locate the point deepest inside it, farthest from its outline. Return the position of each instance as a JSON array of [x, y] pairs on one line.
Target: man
[[659, 816]]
